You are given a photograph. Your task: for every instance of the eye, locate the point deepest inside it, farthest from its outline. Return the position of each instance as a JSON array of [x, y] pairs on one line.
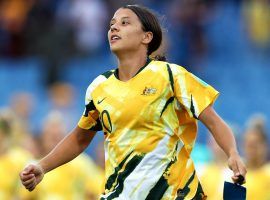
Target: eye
[[125, 22]]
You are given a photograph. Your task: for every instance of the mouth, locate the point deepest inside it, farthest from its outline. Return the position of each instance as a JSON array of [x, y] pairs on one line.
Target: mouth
[[114, 38]]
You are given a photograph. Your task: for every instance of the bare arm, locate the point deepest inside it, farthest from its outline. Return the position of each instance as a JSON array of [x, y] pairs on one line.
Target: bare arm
[[225, 139], [66, 150]]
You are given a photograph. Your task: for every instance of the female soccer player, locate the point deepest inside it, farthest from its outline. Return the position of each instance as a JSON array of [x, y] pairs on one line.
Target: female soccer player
[[148, 111]]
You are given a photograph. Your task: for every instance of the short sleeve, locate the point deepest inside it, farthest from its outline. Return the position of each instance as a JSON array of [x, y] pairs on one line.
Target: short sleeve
[[90, 118], [192, 93]]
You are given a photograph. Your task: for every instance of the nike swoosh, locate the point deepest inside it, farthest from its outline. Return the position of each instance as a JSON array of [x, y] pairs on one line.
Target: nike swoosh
[[99, 101]]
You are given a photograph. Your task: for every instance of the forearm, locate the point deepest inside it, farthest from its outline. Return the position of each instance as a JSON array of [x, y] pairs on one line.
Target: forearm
[[224, 137], [220, 130], [68, 149]]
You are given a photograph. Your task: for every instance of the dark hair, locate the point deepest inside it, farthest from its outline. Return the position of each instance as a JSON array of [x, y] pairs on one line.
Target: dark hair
[[150, 23]]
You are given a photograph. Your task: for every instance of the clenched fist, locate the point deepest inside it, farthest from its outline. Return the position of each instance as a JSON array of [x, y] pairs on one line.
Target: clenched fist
[[31, 176]]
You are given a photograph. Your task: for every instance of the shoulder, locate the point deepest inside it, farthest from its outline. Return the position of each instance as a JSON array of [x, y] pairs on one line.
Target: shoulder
[[177, 69], [155, 64], [172, 68], [99, 80]]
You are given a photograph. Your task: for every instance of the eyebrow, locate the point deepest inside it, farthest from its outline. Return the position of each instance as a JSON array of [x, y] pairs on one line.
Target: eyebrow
[[113, 19]]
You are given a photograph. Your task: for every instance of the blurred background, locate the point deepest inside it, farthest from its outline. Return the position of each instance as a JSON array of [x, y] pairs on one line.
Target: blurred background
[[50, 51]]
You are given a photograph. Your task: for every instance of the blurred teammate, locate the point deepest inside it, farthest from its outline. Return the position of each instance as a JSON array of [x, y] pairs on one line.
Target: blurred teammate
[[80, 179], [12, 159], [256, 150], [148, 111], [214, 173]]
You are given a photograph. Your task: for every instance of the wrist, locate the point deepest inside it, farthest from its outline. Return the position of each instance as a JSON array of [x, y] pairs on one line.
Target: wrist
[[42, 167], [233, 152]]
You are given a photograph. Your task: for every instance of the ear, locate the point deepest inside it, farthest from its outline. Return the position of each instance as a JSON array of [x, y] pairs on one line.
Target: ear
[[147, 37]]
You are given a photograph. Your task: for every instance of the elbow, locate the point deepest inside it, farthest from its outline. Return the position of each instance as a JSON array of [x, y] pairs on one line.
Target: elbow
[[83, 138], [82, 142]]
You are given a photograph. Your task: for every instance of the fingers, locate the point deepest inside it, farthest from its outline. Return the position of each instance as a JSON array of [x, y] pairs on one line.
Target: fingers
[[28, 181], [238, 180], [239, 171], [29, 169], [234, 178], [31, 176], [234, 168], [31, 186], [27, 173], [28, 178], [242, 169], [25, 177], [31, 189], [238, 168]]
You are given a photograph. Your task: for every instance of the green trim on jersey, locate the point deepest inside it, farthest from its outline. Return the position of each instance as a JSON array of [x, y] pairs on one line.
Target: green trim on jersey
[[150, 130]]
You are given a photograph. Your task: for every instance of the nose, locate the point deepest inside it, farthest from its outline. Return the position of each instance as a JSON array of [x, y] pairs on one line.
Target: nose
[[114, 27]]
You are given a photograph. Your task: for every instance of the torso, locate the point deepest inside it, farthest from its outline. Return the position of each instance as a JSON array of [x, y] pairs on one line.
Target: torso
[[148, 136]]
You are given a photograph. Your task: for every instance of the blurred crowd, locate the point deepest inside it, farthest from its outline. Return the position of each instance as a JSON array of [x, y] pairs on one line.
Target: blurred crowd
[[58, 31], [255, 152], [82, 178]]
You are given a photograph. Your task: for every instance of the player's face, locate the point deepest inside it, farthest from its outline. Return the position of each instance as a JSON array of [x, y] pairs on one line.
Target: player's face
[[53, 132], [254, 146], [125, 33]]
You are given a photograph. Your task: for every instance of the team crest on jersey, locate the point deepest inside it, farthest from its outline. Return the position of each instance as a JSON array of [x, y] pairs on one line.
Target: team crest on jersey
[[149, 91]]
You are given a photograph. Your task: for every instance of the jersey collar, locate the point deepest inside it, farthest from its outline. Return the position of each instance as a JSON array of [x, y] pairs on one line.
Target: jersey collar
[[116, 71]]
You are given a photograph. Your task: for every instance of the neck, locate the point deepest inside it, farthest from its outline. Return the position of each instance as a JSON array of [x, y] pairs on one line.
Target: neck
[[130, 63]]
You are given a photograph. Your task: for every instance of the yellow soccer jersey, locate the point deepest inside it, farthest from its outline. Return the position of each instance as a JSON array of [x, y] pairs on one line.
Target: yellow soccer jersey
[[150, 127], [258, 183], [10, 165], [212, 179]]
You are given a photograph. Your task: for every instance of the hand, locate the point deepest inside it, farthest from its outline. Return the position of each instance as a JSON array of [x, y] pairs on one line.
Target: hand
[[31, 176], [239, 169]]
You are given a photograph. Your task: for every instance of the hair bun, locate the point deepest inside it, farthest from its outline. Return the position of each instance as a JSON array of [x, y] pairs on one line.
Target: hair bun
[[159, 57]]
